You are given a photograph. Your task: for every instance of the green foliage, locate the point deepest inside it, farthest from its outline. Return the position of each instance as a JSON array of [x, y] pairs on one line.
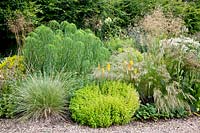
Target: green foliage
[[85, 14], [198, 100], [10, 10], [189, 11], [195, 83], [94, 14], [183, 64], [104, 105], [136, 9], [72, 10], [7, 106], [41, 96], [169, 74], [149, 112], [115, 16], [12, 67], [63, 47], [158, 75], [192, 17], [117, 44], [122, 66], [157, 84]]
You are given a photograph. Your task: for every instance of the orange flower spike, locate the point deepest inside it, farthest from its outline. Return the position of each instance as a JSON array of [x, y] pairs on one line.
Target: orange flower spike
[[108, 67], [99, 66], [131, 62], [135, 71], [129, 67], [103, 71], [125, 62]]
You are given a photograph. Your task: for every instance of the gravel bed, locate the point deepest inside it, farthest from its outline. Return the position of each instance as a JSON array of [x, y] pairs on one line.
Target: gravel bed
[[188, 125]]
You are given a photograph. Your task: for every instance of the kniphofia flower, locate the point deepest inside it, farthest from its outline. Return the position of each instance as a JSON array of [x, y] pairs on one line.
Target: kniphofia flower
[[99, 66], [131, 62], [108, 67], [135, 71], [103, 71], [129, 67]]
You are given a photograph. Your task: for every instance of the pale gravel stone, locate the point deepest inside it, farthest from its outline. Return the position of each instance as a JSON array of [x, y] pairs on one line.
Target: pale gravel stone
[[189, 125]]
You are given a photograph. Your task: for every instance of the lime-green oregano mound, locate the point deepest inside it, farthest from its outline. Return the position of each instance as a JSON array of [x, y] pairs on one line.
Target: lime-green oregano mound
[[104, 105]]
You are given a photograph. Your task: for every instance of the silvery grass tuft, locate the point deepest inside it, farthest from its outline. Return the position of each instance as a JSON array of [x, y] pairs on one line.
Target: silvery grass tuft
[[41, 97]]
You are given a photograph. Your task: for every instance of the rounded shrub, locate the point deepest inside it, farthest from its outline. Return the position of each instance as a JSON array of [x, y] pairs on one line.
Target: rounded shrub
[[104, 105], [41, 97]]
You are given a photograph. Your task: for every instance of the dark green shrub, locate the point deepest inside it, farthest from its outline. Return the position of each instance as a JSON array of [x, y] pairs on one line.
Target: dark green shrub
[[94, 14], [11, 25], [136, 9], [74, 11], [63, 47], [192, 17], [104, 105], [85, 14], [189, 11]]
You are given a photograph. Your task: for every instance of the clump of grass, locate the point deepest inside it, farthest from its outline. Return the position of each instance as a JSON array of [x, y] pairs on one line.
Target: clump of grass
[[41, 97], [158, 23]]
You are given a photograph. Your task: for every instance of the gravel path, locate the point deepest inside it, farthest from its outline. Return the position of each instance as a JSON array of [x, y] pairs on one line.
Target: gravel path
[[189, 125]]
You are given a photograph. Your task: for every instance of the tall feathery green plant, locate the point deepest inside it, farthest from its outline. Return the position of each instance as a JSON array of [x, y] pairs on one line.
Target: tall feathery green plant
[[63, 47]]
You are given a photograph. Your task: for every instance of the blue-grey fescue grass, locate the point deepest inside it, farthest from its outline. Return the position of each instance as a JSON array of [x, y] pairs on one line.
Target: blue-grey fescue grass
[[41, 97]]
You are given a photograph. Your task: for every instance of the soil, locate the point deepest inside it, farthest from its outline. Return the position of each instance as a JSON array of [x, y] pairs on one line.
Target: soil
[[187, 125]]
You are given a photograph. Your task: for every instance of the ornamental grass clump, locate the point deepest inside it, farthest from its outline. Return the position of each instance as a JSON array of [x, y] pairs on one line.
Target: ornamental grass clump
[[156, 79], [104, 105], [159, 23], [41, 97]]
